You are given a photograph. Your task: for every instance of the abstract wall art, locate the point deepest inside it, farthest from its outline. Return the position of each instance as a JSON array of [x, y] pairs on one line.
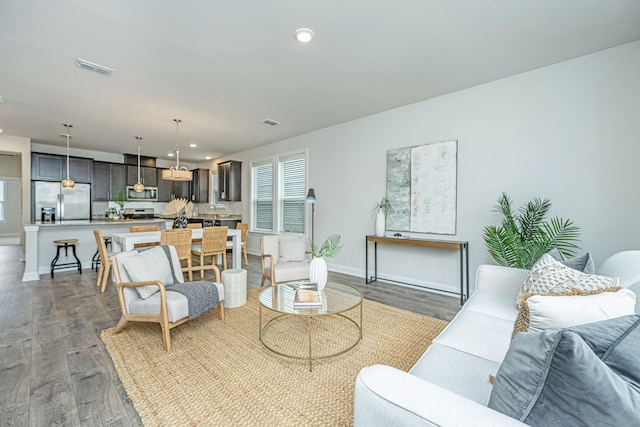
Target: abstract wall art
[[422, 188]]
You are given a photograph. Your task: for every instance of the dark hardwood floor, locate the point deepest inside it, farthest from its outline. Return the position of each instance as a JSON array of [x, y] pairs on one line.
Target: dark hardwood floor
[[54, 369]]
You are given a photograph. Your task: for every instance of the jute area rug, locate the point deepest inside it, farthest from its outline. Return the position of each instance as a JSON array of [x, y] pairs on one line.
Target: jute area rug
[[220, 374]]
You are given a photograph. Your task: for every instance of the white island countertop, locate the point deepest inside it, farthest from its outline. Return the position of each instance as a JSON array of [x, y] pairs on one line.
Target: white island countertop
[[39, 236], [40, 249], [96, 222]]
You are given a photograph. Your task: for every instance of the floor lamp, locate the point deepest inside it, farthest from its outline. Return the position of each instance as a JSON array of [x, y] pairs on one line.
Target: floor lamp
[[311, 198]]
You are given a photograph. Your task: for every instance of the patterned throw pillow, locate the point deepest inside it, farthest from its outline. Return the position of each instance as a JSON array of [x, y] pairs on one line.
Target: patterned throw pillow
[[576, 307], [548, 275]]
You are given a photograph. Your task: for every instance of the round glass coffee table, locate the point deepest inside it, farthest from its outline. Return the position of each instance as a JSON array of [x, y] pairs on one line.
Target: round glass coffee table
[[311, 333]]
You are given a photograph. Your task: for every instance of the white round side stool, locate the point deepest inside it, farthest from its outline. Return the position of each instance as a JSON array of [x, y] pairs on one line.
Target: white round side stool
[[235, 287]]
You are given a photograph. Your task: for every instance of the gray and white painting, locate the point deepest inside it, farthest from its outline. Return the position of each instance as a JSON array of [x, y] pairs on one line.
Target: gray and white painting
[[421, 186]]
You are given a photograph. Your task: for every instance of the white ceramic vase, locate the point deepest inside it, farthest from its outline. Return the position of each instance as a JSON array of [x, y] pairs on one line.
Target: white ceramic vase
[[380, 224], [318, 272]]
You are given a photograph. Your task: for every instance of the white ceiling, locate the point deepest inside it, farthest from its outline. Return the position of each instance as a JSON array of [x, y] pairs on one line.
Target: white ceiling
[[224, 66]]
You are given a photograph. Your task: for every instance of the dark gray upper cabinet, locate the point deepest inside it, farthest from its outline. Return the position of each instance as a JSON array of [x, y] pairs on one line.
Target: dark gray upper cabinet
[[148, 176], [108, 180], [169, 190], [47, 167], [52, 167], [80, 169], [229, 180], [200, 186]]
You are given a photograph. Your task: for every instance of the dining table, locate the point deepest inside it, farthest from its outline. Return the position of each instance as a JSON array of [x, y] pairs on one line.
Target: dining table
[[125, 242]]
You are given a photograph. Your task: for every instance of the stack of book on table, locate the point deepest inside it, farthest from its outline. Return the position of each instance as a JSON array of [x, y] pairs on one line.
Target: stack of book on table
[[307, 296]]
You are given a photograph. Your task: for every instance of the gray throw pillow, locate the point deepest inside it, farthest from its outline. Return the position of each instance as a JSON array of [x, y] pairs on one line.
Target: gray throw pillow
[[583, 375], [291, 248], [151, 264], [582, 263]]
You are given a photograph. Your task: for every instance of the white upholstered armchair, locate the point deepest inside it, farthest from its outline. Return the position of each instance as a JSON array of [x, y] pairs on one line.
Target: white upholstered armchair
[[151, 288], [284, 259]]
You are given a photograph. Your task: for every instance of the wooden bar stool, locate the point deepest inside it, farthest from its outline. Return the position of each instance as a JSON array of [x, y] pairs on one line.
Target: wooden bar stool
[[65, 244], [95, 261]]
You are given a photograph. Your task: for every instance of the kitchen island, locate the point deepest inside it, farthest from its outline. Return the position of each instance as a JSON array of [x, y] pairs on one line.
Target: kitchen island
[[39, 236]]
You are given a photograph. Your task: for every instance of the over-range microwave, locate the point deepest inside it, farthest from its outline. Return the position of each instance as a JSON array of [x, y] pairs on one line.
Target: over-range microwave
[[149, 194]]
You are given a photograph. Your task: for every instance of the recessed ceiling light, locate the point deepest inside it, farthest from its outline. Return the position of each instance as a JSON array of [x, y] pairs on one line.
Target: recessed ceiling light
[[304, 35], [170, 154], [193, 145], [207, 157], [0, 130]]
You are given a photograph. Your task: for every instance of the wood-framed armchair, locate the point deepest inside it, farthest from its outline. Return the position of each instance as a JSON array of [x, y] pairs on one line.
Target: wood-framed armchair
[[163, 306], [284, 259]]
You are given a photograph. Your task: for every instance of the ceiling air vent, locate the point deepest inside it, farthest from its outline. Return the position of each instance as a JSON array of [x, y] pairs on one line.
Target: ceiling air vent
[[87, 65], [270, 122]]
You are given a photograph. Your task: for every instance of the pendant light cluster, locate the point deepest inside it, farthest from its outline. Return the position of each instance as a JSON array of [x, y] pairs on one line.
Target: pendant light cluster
[[174, 173], [177, 173], [68, 182], [139, 186]]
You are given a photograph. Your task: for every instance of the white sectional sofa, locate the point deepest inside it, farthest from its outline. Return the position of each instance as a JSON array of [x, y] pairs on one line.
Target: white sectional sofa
[[449, 385]]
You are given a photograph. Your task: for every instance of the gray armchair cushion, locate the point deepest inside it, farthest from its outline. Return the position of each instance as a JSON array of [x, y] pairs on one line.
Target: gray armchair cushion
[[583, 375]]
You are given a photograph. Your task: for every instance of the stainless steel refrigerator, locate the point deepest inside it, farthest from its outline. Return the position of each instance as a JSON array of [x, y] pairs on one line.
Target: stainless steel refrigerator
[[69, 203]]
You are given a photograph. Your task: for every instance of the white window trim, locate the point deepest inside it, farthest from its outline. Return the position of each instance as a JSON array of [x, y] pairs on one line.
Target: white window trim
[[3, 203], [252, 214], [280, 220], [275, 162]]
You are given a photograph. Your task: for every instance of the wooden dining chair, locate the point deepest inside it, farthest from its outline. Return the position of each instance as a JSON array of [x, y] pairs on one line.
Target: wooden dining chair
[[180, 238], [214, 242], [194, 225], [105, 260], [244, 229], [142, 228]]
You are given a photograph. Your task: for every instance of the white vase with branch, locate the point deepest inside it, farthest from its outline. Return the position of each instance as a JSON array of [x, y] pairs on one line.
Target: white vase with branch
[[318, 267], [381, 210]]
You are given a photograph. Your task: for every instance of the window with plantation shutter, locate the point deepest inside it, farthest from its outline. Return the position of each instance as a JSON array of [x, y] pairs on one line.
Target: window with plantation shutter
[[293, 191], [262, 196], [278, 193]]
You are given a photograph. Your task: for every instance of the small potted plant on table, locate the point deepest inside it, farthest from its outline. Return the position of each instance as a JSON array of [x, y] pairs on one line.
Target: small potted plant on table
[[318, 266]]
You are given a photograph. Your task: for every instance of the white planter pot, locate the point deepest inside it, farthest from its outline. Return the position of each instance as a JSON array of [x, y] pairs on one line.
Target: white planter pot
[[380, 224], [318, 272]]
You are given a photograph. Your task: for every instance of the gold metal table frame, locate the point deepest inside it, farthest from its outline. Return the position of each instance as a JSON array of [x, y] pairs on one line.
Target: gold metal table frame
[[338, 298]]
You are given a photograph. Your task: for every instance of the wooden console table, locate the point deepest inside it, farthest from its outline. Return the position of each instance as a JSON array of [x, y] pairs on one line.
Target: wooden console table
[[461, 246]]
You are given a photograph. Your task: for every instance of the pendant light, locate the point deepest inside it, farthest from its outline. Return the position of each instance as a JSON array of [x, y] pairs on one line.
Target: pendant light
[[68, 182], [177, 173], [138, 187]]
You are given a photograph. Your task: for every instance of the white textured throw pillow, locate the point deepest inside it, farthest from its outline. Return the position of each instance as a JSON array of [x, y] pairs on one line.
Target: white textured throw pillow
[[151, 264], [546, 312], [291, 249], [548, 275]]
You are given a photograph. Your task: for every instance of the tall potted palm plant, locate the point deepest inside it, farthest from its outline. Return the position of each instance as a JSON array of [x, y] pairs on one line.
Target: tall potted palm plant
[[524, 236]]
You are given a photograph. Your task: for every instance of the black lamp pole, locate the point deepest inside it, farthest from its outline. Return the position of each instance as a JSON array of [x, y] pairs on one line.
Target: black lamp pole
[[311, 198]]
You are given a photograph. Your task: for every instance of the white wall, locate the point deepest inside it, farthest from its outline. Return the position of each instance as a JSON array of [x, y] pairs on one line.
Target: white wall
[[21, 146], [12, 226], [569, 132]]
